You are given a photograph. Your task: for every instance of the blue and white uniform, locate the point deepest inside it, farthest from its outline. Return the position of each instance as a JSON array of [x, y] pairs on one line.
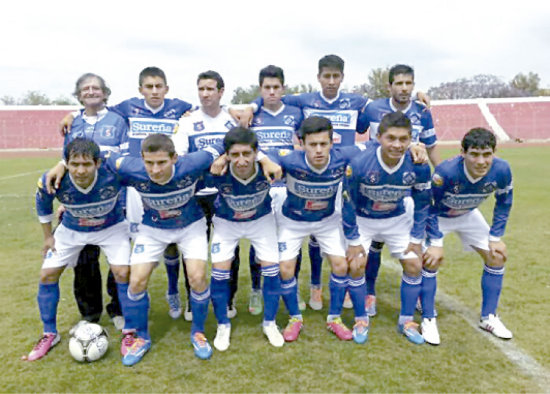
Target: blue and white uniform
[[93, 216], [375, 208], [457, 196], [277, 130], [171, 213], [243, 210], [309, 208], [342, 111], [421, 119]]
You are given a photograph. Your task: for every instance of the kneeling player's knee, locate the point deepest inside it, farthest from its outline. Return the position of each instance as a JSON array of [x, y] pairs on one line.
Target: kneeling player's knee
[[412, 267]]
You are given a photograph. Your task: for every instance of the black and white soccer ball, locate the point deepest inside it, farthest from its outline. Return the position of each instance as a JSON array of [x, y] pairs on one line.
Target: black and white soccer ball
[[89, 342]]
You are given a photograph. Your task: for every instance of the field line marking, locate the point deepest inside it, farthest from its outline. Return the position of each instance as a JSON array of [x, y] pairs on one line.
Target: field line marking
[[5, 178], [527, 364]]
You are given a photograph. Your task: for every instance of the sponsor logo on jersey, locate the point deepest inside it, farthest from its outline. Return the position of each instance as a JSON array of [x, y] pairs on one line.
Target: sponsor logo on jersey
[[312, 190], [142, 127], [316, 205], [384, 193], [244, 215], [289, 120], [92, 210], [463, 201], [245, 202], [169, 214], [383, 206], [168, 201], [206, 141], [437, 180], [90, 222]]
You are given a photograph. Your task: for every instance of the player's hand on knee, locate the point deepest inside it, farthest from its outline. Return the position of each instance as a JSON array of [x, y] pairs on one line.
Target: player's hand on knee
[[498, 251], [414, 248], [433, 257], [49, 244], [356, 256]]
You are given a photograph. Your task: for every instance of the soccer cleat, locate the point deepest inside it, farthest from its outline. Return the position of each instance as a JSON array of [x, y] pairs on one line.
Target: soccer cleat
[[348, 304], [493, 324], [255, 303], [360, 331], [127, 341], [174, 303], [301, 303], [292, 329], [338, 327], [118, 322], [273, 335], [410, 330], [370, 305], [77, 326], [202, 348], [221, 341], [187, 314], [136, 352], [231, 311], [316, 299], [43, 346], [429, 331]]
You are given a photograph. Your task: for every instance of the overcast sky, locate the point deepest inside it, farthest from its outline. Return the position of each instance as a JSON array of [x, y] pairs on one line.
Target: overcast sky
[[47, 45]]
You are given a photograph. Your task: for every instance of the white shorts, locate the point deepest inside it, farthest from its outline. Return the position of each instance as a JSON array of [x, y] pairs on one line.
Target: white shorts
[[394, 232], [151, 242], [472, 228], [262, 234], [114, 241], [408, 202], [327, 231], [134, 206]]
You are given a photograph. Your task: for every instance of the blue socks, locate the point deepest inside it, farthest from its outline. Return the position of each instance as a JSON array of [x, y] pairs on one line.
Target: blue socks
[[491, 285], [289, 291], [338, 286], [271, 291], [219, 290], [410, 290], [48, 298], [199, 306], [373, 266], [138, 313], [316, 262], [358, 291], [172, 264], [427, 294]]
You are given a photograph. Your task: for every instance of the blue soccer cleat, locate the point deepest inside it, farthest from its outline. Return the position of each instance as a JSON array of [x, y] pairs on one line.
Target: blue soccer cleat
[[411, 332], [136, 352], [202, 348]]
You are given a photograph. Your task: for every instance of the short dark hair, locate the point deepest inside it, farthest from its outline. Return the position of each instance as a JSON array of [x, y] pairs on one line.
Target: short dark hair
[[240, 135], [272, 71], [81, 147], [331, 61], [152, 72], [315, 124], [84, 77], [394, 119], [478, 138], [158, 143], [212, 75], [400, 69]]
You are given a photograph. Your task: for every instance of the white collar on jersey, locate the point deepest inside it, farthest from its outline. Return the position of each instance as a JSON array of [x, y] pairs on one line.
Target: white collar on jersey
[[470, 177], [276, 112], [330, 101], [89, 188], [153, 110], [93, 119], [385, 167], [244, 181], [169, 179], [315, 169], [394, 109]]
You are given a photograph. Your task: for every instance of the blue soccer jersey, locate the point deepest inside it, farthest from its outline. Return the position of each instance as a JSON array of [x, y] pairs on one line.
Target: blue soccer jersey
[[108, 130], [144, 120], [456, 193], [277, 130], [91, 209], [241, 200], [421, 119], [171, 205], [374, 190], [311, 193], [342, 111]]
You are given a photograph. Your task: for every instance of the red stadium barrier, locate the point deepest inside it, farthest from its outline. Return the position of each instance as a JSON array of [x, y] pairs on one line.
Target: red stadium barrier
[[35, 127]]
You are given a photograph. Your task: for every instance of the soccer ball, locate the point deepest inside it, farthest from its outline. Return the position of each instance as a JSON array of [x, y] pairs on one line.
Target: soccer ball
[[89, 342]]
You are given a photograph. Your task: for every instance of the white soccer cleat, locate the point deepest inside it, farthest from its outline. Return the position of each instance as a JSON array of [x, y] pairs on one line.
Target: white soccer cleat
[[221, 342], [273, 335], [429, 331], [187, 313], [174, 304], [493, 324], [231, 311]]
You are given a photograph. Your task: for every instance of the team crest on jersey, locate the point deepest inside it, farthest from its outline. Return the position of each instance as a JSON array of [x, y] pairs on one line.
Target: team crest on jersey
[[66, 198], [349, 171], [135, 111], [373, 177], [143, 186], [437, 180], [345, 103], [108, 132], [489, 187], [262, 186], [229, 125], [186, 181], [170, 114], [198, 126], [288, 120], [257, 121], [457, 188], [414, 118], [107, 192], [226, 189], [408, 178]]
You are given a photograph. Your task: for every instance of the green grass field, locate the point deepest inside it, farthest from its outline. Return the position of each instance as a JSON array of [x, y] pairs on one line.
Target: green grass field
[[466, 361]]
